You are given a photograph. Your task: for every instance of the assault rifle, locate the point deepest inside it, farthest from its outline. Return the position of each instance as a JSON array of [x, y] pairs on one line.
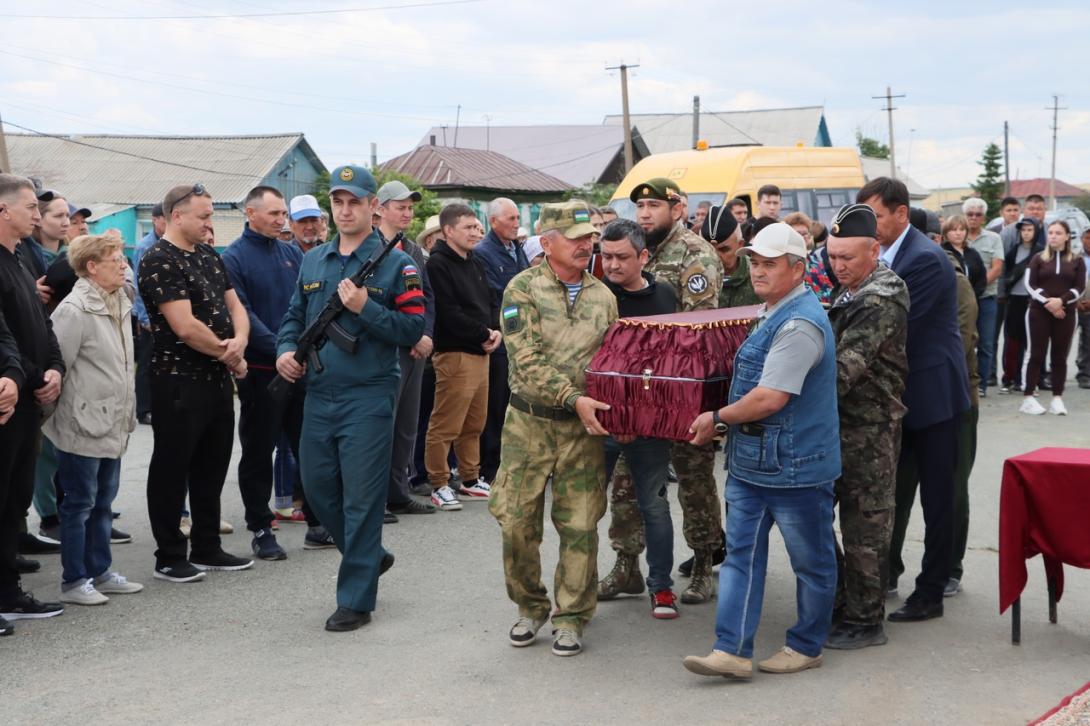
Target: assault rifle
[[326, 328]]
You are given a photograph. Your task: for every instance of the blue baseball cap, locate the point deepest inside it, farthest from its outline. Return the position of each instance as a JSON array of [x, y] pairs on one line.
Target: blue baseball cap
[[353, 179], [73, 210]]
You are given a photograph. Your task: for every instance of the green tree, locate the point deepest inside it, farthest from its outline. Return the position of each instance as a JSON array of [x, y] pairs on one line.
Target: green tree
[[1082, 203], [871, 147], [426, 207], [596, 195], [989, 185]]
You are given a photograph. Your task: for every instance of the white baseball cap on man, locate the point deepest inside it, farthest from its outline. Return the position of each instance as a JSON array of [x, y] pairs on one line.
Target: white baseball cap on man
[[776, 240], [304, 206]]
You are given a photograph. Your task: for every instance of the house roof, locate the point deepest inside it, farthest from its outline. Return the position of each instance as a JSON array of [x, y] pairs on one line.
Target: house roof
[[441, 167], [766, 127], [874, 168], [576, 153], [140, 169], [1022, 188]]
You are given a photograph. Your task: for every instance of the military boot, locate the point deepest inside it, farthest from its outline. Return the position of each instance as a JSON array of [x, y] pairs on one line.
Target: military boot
[[702, 586], [624, 578]]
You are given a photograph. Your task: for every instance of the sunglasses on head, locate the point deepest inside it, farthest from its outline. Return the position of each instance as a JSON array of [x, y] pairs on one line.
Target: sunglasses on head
[[197, 190]]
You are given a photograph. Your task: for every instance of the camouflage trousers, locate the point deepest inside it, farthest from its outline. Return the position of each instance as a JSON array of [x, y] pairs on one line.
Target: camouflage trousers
[[534, 448], [701, 505], [865, 493]]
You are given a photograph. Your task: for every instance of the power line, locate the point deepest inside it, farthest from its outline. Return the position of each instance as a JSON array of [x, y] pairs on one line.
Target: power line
[[279, 14], [889, 109]]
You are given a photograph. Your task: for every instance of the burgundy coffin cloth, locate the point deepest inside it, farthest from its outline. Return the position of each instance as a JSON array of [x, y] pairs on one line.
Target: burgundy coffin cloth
[[658, 373], [1044, 508]]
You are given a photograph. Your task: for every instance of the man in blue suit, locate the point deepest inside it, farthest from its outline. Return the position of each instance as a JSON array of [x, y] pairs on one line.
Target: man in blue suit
[[936, 392]]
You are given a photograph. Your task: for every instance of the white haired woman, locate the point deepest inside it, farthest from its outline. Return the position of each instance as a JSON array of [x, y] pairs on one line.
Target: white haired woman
[[94, 416]]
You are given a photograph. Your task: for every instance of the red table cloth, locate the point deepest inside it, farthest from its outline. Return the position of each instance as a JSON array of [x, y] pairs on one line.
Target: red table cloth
[[1044, 508]]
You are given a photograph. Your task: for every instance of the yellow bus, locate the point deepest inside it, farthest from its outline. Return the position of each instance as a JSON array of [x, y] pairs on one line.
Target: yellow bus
[[815, 180]]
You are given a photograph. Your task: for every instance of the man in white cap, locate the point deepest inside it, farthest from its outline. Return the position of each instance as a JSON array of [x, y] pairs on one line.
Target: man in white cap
[[305, 218], [784, 455]]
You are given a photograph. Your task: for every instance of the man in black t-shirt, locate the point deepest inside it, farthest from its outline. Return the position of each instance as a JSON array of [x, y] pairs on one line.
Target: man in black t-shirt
[[199, 330]]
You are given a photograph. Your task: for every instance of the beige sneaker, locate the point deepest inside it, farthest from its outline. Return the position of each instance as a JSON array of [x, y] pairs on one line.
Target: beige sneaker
[[719, 663], [185, 526], [786, 660], [226, 527]]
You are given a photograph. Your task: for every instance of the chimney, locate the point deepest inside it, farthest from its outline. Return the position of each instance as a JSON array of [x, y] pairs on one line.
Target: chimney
[[432, 142]]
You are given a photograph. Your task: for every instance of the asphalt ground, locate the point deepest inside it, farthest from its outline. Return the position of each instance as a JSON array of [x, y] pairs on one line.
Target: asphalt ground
[[249, 646]]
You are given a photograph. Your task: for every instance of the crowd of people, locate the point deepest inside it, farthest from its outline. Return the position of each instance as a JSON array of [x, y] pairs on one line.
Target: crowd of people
[[454, 372]]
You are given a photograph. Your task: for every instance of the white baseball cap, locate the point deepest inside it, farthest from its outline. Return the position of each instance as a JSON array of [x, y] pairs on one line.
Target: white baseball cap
[[304, 206], [776, 240]]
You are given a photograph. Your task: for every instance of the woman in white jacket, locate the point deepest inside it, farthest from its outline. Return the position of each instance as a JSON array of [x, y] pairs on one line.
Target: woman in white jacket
[[94, 416]]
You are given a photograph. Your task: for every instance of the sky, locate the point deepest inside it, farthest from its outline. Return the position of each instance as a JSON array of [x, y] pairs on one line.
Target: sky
[[349, 73]]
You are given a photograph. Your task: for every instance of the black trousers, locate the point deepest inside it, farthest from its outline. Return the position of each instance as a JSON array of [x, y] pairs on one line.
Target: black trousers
[[143, 347], [260, 423], [498, 396], [19, 439], [194, 428], [928, 460]]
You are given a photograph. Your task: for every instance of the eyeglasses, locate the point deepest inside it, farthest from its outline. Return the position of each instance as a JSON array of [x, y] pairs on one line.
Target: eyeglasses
[[974, 214], [197, 190]]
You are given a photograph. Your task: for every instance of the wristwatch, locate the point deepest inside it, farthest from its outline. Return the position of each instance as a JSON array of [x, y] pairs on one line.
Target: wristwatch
[[720, 427]]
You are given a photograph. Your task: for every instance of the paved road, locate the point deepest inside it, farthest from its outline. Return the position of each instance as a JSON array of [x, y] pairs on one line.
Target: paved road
[[250, 646]]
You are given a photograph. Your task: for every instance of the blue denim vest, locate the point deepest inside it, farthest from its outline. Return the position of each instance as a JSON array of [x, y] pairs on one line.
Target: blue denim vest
[[799, 445]]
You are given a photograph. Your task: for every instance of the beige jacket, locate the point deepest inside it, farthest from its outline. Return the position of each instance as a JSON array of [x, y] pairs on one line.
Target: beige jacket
[[96, 411]]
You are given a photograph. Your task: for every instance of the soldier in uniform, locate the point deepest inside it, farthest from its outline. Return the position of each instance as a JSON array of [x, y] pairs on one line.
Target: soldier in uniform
[[554, 317], [690, 265], [348, 416], [870, 321]]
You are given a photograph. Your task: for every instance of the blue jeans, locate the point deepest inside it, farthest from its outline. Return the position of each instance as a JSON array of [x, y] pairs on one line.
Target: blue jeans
[[805, 519], [90, 486], [285, 469], [648, 459], [985, 346]]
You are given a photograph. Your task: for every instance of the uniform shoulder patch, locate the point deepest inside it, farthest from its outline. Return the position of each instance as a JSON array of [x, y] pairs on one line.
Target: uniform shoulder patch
[[512, 322], [411, 277], [697, 283]]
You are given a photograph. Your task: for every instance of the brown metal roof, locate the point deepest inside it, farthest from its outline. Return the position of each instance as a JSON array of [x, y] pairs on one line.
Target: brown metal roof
[[441, 167]]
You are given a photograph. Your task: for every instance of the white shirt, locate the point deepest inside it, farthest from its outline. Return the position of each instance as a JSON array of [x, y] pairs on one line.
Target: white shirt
[[890, 253]]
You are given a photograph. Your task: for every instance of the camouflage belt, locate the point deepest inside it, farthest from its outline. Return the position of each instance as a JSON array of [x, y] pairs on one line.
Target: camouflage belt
[[550, 412]]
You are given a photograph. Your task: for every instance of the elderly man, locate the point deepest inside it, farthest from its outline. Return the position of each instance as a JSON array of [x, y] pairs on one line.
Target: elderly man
[[503, 257], [870, 320], [784, 455], [305, 219], [554, 318], [990, 248]]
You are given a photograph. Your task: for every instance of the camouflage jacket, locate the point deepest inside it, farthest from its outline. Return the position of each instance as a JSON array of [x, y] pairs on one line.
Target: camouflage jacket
[[871, 327], [737, 288], [550, 341], [968, 310], [691, 266]]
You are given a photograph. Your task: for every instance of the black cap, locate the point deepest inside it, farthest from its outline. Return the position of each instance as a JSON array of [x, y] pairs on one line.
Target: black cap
[[157, 210], [719, 225], [61, 277], [854, 220], [918, 218]]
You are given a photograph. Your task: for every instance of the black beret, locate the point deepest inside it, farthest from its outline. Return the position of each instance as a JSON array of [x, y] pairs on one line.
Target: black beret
[[719, 225], [854, 220]]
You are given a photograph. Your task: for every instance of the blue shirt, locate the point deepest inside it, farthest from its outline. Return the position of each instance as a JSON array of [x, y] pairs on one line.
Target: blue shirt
[[138, 307]]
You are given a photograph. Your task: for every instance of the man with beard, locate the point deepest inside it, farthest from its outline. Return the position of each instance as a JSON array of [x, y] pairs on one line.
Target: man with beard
[[690, 265], [305, 218]]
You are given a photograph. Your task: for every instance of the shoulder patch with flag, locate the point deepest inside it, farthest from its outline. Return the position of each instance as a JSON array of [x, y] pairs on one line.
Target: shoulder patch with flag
[[511, 320], [411, 276], [411, 302]]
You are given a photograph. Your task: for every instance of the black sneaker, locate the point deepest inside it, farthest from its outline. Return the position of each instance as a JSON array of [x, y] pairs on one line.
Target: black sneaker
[[386, 564], [220, 561], [318, 538], [119, 537], [849, 636], [180, 571], [266, 547], [31, 545], [345, 619], [413, 507], [145, 418], [6, 628], [389, 517], [26, 567], [26, 607]]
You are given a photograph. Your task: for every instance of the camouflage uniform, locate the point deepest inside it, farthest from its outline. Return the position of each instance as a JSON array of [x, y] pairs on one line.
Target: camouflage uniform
[[737, 288], [550, 342], [871, 327]]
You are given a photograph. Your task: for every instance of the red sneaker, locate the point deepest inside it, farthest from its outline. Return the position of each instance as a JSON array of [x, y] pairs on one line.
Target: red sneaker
[[664, 605]]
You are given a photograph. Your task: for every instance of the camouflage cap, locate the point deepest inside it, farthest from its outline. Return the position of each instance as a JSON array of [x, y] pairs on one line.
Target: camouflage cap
[[571, 219], [660, 188]]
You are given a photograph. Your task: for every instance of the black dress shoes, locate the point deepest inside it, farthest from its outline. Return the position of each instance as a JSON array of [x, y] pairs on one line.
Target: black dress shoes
[[25, 566], [916, 609], [345, 619], [386, 563]]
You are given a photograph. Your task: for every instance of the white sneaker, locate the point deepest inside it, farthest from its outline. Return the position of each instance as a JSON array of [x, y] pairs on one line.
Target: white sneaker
[[116, 583], [1057, 406], [478, 490], [85, 594], [443, 498], [1031, 406], [185, 525]]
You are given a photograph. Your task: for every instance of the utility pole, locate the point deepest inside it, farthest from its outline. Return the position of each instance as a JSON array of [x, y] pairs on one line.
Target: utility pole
[[889, 109], [1055, 108], [457, 121], [5, 163], [696, 120], [487, 132], [374, 155], [624, 111], [1007, 158]]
